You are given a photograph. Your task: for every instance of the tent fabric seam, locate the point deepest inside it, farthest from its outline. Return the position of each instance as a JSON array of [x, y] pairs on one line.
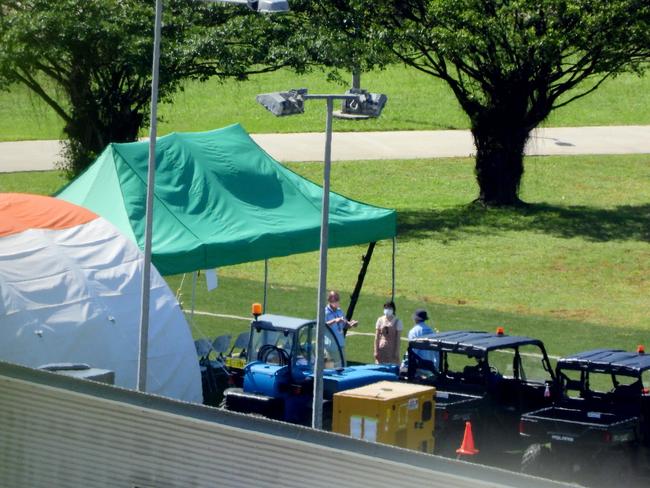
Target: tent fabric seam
[[161, 202], [117, 175]]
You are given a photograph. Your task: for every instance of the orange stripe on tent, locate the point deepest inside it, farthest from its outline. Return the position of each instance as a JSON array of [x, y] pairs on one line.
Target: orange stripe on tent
[[21, 211]]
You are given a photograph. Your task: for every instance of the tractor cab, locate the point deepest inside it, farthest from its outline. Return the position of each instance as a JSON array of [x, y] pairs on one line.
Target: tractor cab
[[278, 378], [290, 342]]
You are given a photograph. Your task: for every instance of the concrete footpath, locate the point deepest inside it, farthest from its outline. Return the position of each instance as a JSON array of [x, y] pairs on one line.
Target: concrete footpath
[[43, 155]]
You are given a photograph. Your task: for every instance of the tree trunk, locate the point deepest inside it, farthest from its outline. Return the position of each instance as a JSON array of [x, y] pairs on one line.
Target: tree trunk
[[356, 77], [100, 114], [499, 161], [92, 129]]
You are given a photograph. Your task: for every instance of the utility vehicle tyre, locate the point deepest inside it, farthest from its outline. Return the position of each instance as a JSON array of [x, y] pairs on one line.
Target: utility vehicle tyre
[[535, 460]]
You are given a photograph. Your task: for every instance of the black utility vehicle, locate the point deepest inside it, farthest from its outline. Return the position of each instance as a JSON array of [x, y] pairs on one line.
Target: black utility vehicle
[[598, 432], [489, 379]]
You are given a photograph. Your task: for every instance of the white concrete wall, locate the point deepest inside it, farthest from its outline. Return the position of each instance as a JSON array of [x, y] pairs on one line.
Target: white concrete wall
[[62, 432]]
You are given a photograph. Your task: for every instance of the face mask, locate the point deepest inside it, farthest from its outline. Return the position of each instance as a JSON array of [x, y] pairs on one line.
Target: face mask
[[388, 312]]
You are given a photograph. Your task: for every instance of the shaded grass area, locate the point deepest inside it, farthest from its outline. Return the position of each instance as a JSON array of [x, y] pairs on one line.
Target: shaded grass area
[[621, 223], [416, 102]]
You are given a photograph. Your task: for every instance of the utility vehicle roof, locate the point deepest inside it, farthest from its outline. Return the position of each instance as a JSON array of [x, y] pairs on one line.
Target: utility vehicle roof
[[280, 322], [466, 342], [607, 360]]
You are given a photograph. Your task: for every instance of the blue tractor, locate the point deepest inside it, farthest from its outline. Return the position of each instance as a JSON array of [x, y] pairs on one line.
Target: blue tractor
[[278, 378]]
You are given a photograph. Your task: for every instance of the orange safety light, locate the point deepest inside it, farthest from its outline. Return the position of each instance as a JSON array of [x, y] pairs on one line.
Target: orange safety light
[[257, 309], [640, 349], [500, 331]]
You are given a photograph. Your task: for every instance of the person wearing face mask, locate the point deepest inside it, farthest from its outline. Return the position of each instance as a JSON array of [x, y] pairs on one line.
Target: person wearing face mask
[[387, 336]]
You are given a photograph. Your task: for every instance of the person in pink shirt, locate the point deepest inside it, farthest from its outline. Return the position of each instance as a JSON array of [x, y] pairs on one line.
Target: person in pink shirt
[[387, 336]]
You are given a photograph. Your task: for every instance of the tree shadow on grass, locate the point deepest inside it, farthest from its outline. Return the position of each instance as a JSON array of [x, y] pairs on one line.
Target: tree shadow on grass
[[622, 223]]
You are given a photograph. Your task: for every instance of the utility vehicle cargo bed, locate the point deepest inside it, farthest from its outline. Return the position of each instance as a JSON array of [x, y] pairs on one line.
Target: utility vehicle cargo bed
[[574, 425]]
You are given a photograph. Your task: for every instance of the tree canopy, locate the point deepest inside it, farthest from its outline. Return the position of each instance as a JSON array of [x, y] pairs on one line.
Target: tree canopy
[[91, 60], [511, 62], [508, 62]]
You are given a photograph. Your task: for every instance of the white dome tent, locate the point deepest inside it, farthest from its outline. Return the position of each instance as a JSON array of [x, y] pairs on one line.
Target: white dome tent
[[70, 293]]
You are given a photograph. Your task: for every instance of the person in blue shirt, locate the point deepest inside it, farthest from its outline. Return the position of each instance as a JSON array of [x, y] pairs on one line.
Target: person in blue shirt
[[335, 318], [420, 329]]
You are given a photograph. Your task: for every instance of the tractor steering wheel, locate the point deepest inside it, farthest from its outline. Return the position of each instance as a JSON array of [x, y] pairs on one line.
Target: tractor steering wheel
[[268, 349]]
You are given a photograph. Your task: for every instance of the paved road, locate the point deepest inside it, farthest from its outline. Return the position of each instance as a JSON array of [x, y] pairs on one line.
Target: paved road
[[43, 155]]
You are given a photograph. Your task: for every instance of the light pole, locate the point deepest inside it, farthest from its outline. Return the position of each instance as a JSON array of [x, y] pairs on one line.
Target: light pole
[[262, 6], [288, 103]]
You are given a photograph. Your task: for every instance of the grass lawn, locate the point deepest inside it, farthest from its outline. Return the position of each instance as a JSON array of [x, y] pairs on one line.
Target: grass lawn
[[416, 102], [572, 269]]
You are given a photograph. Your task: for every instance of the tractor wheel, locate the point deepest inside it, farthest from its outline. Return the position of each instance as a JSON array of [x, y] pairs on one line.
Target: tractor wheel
[[536, 460], [224, 401]]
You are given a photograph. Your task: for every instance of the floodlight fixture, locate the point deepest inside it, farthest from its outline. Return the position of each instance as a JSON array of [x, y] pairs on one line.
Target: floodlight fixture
[[269, 6], [261, 6], [284, 103], [293, 102], [366, 104]]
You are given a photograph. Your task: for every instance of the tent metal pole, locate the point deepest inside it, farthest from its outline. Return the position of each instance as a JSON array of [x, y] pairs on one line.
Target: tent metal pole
[[194, 279], [266, 284], [148, 228], [392, 292], [354, 298]]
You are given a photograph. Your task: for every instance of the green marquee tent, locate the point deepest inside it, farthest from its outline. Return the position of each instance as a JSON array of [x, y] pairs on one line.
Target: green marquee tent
[[219, 200]]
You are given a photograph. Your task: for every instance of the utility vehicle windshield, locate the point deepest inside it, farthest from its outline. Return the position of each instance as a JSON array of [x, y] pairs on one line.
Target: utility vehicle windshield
[[526, 363], [584, 383]]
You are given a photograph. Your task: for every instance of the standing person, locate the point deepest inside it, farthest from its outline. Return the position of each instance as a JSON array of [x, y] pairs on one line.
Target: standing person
[[387, 336], [335, 318], [419, 329]]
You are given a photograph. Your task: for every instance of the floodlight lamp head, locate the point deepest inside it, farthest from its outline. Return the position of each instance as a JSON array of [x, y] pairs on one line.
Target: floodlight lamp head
[[368, 104], [268, 6], [283, 103]]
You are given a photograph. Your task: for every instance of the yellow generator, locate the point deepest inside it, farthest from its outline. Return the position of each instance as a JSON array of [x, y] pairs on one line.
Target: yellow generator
[[393, 413]]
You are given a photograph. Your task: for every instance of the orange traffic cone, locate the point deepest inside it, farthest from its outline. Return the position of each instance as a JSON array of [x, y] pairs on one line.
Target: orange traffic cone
[[467, 447]]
